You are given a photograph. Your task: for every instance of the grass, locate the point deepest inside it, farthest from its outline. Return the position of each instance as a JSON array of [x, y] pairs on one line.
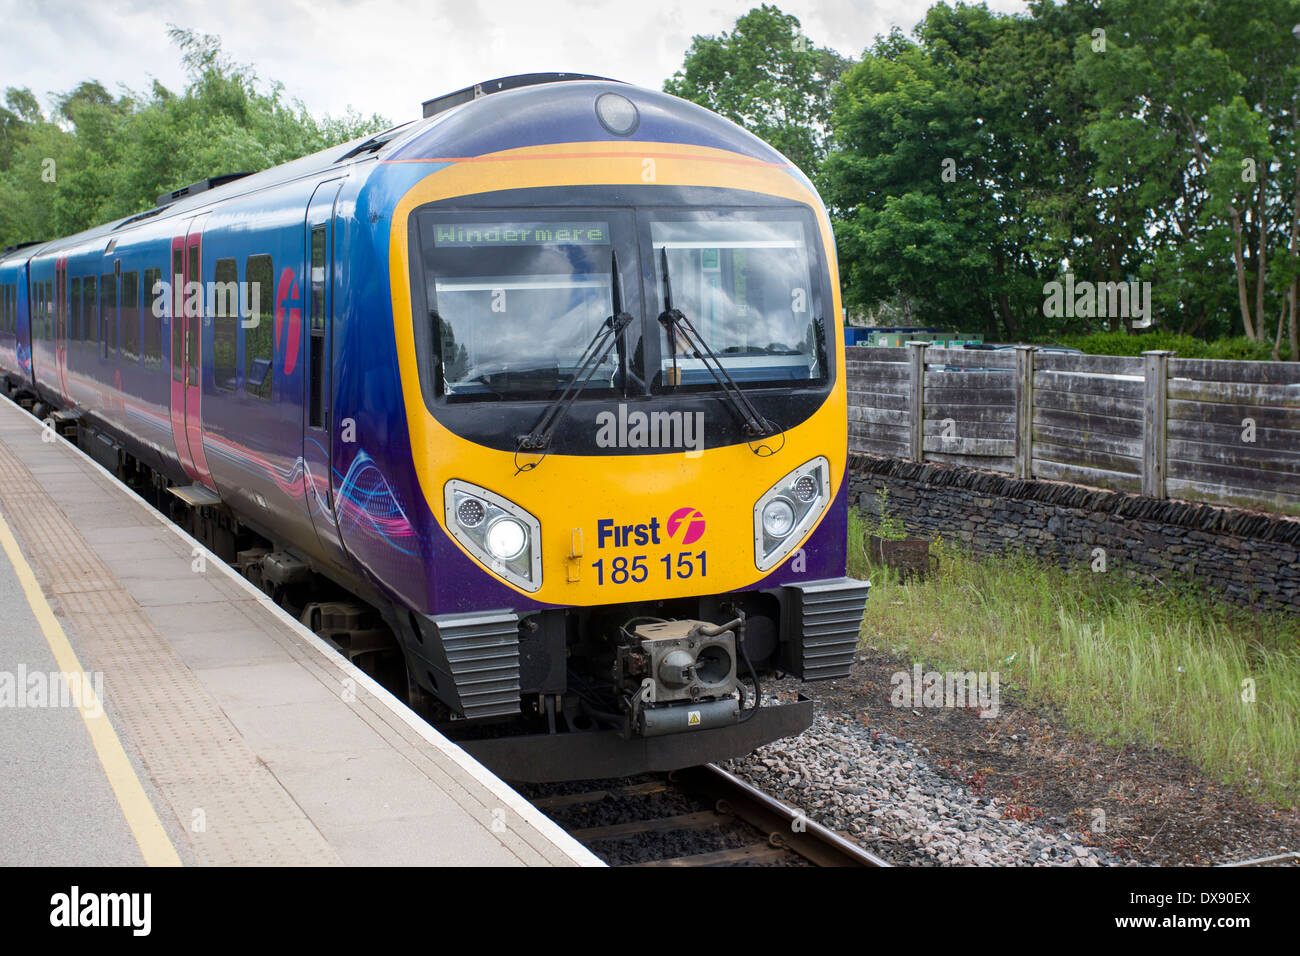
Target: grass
[[1120, 662]]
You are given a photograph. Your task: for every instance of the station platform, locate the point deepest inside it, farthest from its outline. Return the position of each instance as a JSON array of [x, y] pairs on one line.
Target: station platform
[[210, 727]]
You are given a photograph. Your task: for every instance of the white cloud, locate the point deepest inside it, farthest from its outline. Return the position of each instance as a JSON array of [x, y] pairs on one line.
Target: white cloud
[[387, 56]]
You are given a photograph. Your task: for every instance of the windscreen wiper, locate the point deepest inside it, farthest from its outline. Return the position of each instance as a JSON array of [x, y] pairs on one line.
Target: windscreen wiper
[[753, 425], [607, 336]]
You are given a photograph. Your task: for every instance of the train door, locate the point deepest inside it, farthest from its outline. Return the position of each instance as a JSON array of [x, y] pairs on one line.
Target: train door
[[188, 304], [318, 429], [61, 326], [25, 337]]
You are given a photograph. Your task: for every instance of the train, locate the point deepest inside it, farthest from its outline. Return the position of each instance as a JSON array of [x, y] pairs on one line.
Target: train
[[534, 407]]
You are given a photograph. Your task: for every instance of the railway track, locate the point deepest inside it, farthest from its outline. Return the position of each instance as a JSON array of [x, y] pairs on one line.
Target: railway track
[[700, 816]]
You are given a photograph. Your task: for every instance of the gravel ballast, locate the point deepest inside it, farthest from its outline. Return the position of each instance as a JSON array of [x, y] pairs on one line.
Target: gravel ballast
[[882, 791]]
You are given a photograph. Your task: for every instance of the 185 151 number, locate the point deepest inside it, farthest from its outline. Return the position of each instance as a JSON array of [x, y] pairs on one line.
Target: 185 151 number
[[637, 569]]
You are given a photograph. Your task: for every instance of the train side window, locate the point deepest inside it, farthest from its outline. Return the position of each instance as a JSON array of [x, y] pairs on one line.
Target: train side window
[[151, 309], [49, 309], [259, 335], [108, 315], [90, 324], [38, 310], [316, 365], [178, 326], [74, 309], [130, 316], [225, 324]]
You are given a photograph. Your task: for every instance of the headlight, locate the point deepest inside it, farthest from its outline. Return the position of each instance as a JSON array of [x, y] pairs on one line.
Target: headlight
[[783, 516], [778, 518], [507, 538], [617, 114], [503, 537]]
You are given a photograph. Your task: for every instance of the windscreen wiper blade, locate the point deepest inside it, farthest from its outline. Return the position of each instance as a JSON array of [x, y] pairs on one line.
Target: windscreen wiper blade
[[753, 425], [607, 336]]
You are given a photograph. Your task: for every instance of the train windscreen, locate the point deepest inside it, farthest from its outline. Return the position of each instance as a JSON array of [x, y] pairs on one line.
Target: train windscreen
[[515, 302], [746, 286], [516, 297]]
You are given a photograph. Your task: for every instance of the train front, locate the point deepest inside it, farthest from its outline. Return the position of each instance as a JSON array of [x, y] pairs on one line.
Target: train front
[[616, 323]]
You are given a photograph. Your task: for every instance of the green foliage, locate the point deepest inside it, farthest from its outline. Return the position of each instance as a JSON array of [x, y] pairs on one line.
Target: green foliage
[[887, 524], [858, 565], [952, 177], [1194, 127], [985, 155], [769, 78], [1187, 346], [100, 157]]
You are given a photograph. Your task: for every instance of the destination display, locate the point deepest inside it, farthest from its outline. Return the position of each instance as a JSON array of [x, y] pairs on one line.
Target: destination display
[[478, 234]]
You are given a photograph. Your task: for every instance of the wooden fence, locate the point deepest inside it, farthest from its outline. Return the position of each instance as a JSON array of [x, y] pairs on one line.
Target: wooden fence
[[1221, 432]]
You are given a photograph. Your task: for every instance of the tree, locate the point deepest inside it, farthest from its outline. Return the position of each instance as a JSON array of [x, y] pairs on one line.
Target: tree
[[767, 77], [32, 150], [956, 173], [1198, 107], [115, 155]]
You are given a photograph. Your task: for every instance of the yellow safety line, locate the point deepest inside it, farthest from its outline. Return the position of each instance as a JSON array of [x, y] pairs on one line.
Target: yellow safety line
[[145, 826]]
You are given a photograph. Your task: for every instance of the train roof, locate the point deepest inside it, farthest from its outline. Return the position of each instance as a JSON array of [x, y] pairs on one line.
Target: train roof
[[503, 113]]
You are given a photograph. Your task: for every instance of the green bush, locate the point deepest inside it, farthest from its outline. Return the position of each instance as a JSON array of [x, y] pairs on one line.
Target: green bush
[[1187, 346]]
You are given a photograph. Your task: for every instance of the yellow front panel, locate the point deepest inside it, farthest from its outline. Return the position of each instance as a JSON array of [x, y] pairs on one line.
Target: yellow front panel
[[575, 492]]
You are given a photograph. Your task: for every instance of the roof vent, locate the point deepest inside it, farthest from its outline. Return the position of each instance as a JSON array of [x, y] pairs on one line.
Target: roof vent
[[24, 245], [374, 143], [501, 84], [147, 214], [203, 185]]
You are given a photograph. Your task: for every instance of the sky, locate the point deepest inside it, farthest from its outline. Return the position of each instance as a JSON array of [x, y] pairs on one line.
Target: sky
[[388, 56]]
